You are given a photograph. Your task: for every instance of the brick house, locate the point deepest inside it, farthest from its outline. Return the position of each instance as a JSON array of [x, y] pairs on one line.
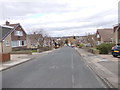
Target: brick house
[[33, 40], [104, 35], [5, 43], [36, 39], [92, 40], [83, 39], [18, 36], [72, 40], [116, 35]]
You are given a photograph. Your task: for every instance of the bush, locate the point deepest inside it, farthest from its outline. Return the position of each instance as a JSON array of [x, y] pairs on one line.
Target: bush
[[22, 52], [34, 50], [81, 45], [41, 49], [105, 48]]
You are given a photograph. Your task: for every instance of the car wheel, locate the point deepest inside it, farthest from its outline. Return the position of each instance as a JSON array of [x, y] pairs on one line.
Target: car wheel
[[114, 55]]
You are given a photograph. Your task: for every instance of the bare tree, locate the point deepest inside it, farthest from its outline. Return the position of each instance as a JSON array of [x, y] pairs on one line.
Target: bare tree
[[42, 39]]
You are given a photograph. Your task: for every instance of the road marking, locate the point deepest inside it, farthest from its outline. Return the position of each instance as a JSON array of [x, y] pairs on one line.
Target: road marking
[[53, 67], [72, 66], [72, 62], [73, 81]]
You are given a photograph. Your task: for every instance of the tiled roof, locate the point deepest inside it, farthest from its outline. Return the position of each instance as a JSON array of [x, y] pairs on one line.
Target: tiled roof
[[4, 31], [14, 25], [106, 34], [33, 38]]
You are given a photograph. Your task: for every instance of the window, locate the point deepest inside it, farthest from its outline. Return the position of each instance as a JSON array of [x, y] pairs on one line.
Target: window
[[7, 43], [98, 36], [15, 43], [18, 43], [92, 38], [18, 33], [21, 43], [98, 42]]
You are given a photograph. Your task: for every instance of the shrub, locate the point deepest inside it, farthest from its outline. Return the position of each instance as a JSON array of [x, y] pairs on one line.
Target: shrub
[[105, 48], [41, 49], [22, 52], [34, 50], [81, 45]]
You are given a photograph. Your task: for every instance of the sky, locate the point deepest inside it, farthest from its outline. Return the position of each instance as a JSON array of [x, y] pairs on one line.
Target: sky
[[60, 17]]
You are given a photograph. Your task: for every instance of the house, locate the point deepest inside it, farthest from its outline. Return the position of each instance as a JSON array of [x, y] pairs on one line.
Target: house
[[104, 35], [71, 40], [116, 34], [18, 36], [48, 41], [82, 39], [91, 40], [33, 40], [5, 43]]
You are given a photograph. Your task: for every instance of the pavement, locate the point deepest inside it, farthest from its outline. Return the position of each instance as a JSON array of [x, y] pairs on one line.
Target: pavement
[[63, 68], [17, 59], [105, 66]]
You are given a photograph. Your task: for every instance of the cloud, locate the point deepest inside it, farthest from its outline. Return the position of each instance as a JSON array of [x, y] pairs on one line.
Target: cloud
[[58, 16]]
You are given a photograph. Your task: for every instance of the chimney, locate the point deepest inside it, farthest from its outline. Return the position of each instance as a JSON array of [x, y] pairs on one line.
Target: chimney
[[7, 23]]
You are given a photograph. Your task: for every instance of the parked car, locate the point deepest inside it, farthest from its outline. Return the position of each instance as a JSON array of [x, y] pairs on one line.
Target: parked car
[[89, 45], [72, 46], [116, 51]]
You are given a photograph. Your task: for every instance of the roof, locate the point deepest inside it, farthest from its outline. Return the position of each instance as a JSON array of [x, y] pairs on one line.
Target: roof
[[34, 37], [8, 28], [14, 25], [4, 32], [116, 27], [106, 34]]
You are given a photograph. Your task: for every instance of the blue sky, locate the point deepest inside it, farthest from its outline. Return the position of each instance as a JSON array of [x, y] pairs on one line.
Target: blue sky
[[61, 17]]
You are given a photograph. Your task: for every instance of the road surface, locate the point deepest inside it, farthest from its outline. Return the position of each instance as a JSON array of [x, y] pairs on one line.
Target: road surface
[[63, 68]]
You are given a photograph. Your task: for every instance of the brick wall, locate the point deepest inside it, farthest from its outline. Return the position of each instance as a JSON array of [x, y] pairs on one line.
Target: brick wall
[[4, 57], [17, 37], [0, 57]]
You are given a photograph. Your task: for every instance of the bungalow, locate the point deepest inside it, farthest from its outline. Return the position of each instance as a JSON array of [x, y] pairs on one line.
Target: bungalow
[[36, 39], [83, 39], [104, 35], [33, 40], [18, 36], [116, 35], [92, 40], [5, 43]]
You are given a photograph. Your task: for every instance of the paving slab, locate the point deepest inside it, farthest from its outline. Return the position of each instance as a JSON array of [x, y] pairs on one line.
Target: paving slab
[[102, 66]]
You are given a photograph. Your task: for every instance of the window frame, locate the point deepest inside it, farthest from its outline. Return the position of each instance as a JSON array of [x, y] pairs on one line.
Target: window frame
[[18, 33], [7, 43]]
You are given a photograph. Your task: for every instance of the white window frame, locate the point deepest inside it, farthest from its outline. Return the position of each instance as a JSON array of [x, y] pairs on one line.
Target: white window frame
[[18, 33], [98, 36], [18, 43], [15, 44], [7, 43]]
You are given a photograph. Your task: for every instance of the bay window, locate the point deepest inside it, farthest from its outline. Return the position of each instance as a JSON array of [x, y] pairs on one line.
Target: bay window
[[18, 43]]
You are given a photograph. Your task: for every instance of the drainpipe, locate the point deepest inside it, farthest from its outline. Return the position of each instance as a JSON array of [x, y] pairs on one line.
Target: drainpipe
[[2, 50], [2, 46]]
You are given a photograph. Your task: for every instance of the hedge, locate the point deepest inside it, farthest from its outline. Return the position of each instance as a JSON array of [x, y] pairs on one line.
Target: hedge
[[81, 45], [105, 48]]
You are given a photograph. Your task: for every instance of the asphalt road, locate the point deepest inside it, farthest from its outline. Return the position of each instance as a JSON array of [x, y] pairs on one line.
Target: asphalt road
[[63, 68]]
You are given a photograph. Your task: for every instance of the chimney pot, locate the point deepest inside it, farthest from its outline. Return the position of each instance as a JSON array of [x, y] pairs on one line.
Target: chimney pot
[[7, 23]]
